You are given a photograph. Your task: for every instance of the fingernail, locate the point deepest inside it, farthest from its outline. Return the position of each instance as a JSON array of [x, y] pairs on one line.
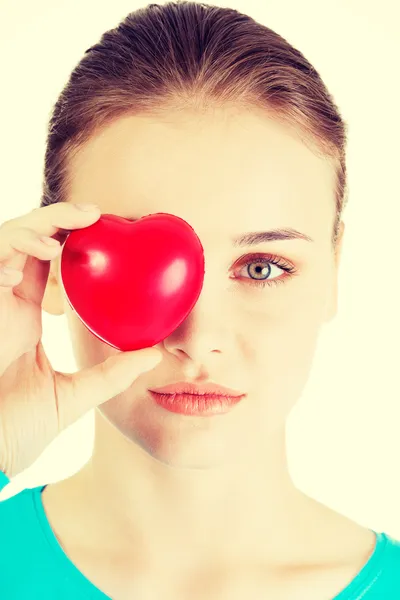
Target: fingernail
[[87, 207]]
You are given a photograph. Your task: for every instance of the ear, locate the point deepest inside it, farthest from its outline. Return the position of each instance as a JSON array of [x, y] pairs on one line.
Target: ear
[[333, 300], [52, 302]]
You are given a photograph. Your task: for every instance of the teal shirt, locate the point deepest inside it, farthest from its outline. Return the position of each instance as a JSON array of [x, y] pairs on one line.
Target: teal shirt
[[33, 565]]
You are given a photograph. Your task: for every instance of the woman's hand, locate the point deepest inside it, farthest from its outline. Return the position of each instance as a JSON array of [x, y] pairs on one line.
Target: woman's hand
[[36, 402]]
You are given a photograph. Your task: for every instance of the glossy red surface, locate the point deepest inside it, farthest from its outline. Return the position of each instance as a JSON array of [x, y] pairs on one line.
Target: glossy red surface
[[133, 283]]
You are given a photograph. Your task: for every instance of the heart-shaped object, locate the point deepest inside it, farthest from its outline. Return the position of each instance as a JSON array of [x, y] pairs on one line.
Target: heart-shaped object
[[133, 283]]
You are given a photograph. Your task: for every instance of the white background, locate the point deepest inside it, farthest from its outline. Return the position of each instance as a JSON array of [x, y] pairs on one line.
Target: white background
[[343, 435]]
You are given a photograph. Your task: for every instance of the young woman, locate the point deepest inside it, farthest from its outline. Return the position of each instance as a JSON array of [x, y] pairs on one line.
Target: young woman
[[204, 113]]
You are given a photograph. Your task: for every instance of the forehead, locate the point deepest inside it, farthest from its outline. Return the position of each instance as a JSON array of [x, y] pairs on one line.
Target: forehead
[[225, 170]]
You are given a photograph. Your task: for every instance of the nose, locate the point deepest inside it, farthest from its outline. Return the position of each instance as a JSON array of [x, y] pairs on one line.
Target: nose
[[206, 332]]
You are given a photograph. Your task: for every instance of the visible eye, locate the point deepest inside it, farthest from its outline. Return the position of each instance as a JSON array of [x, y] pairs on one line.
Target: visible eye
[[259, 269]]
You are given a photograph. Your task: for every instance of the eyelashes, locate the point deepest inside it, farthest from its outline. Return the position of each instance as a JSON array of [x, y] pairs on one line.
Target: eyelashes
[[263, 262]]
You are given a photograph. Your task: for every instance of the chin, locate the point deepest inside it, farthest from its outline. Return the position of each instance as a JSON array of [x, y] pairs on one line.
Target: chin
[[175, 441]]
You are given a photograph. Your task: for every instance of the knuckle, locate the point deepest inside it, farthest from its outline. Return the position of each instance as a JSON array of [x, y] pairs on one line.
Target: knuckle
[[24, 232], [6, 225], [19, 222]]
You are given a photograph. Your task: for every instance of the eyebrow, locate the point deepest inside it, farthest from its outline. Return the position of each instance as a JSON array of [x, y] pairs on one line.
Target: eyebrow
[[273, 235], [253, 238]]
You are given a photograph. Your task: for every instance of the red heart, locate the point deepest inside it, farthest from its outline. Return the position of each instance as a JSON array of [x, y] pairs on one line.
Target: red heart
[[133, 283]]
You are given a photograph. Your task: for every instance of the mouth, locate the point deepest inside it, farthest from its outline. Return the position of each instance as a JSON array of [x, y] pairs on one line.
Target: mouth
[[196, 399]]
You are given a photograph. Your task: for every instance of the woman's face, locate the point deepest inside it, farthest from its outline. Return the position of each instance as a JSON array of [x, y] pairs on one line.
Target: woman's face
[[227, 173]]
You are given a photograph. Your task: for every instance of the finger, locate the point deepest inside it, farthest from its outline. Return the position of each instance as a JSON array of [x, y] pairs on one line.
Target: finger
[[22, 247], [29, 279], [24, 240], [93, 386], [33, 283], [9, 277], [46, 221]]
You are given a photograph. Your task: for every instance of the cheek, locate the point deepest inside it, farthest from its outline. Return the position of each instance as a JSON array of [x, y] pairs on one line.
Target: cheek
[[282, 345], [282, 356], [280, 328], [88, 349], [288, 309]]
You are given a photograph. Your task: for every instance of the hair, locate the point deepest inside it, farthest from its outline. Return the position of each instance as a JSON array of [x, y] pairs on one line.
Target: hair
[[192, 55]]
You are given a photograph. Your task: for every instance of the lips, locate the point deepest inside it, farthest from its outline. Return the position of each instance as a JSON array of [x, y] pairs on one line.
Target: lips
[[196, 399], [209, 389]]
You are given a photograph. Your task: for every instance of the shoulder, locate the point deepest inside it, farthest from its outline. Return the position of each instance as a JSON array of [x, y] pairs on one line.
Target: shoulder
[[390, 552], [28, 564], [18, 518], [20, 499], [382, 572], [11, 505]]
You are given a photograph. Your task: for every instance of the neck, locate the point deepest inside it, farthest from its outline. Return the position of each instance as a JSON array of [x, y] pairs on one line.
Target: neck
[[244, 510]]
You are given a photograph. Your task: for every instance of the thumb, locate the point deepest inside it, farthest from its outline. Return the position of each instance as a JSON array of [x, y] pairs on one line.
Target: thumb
[[95, 385]]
